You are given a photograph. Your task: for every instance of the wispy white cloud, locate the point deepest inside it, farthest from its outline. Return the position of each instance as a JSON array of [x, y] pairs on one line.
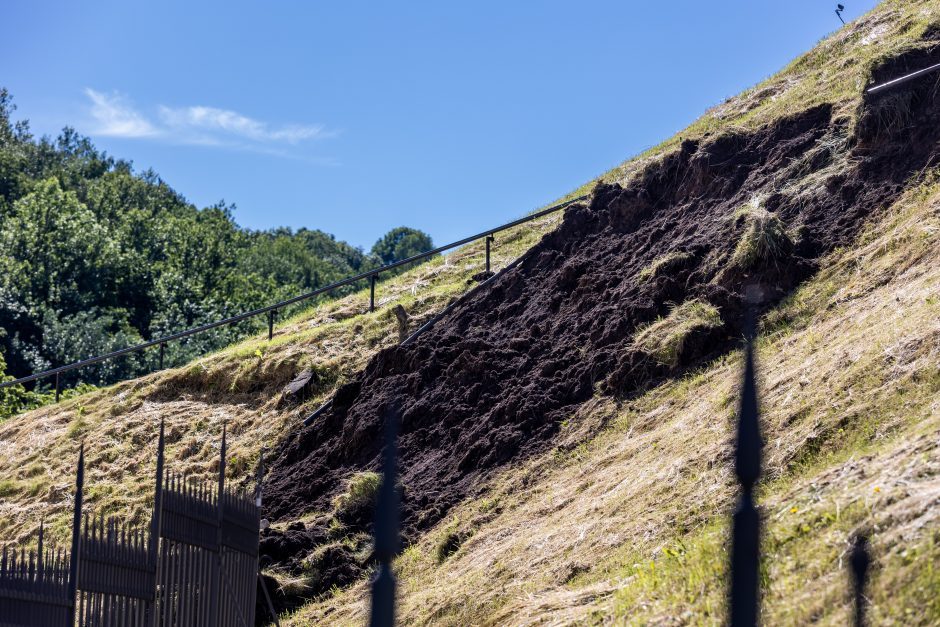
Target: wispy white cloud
[[210, 119], [209, 126], [116, 117]]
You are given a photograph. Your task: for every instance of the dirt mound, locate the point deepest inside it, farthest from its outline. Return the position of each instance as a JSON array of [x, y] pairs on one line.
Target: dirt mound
[[492, 381]]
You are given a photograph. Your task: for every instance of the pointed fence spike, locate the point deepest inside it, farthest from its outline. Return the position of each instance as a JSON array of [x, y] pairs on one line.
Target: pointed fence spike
[[744, 592], [386, 527], [860, 562]]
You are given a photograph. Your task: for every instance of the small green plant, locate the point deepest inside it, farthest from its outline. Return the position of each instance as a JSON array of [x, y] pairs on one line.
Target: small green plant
[[7, 488]]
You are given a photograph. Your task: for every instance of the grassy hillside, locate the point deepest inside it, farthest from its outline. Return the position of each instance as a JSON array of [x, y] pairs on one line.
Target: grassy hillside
[[623, 518], [240, 385]]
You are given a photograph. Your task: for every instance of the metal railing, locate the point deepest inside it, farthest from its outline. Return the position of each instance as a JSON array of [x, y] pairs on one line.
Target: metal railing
[[370, 275], [903, 79]]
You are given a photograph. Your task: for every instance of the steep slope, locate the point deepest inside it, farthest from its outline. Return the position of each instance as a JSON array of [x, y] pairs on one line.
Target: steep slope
[[630, 526], [567, 426], [640, 285]]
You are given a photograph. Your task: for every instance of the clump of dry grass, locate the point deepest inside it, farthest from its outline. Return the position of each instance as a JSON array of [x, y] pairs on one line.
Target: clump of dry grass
[[454, 535], [765, 240], [663, 264], [357, 503], [665, 339]]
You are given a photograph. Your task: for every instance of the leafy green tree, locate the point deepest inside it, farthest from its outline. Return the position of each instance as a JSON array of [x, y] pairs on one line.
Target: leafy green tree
[[95, 257], [15, 399], [401, 243]]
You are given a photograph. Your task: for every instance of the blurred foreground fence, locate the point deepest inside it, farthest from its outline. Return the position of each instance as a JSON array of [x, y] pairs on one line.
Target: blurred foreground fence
[[196, 563]]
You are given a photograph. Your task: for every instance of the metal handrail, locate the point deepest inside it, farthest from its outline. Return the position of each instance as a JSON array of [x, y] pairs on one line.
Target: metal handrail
[[903, 79], [370, 274]]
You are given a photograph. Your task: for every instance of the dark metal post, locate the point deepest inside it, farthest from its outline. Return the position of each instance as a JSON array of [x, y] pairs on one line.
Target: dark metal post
[[215, 603], [271, 324], [155, 529], [162, 353], [745, 542], [267, 598], [372, 292], [386, 529], [57, 387], [259, 477], [155, 520], [860, 561], [489, 239], [264, 586], [76, 527]]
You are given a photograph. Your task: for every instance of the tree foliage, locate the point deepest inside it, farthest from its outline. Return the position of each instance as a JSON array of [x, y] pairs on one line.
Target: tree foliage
[[95, 257], [401, 243]]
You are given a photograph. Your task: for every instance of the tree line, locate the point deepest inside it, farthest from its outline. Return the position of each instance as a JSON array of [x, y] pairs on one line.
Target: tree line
[[95, 257]]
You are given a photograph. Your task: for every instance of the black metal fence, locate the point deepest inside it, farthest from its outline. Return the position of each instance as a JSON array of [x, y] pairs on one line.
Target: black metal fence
[[195, 564], [372, 276]]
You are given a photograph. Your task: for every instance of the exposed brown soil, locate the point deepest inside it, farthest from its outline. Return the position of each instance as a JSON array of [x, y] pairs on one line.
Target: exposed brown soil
[[491, 382]]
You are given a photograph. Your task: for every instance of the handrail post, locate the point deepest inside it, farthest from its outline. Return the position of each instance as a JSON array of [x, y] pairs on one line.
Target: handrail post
[[57, 387], [271, 324], [162, 352], [489, 239], [372, 292]]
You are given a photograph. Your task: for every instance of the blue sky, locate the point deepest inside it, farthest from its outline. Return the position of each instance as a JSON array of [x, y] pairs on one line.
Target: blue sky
[[357, 117]]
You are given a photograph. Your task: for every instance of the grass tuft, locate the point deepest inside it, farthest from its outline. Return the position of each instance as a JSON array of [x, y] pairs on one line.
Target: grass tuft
[[358, 501], [765, 240], [663, 264], [665, 339]]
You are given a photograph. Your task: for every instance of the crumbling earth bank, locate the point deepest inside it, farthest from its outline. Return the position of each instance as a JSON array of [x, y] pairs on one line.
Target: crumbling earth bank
[[491, 382]]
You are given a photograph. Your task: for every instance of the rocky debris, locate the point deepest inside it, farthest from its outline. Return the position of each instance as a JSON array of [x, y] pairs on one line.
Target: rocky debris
[[298, 390]]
